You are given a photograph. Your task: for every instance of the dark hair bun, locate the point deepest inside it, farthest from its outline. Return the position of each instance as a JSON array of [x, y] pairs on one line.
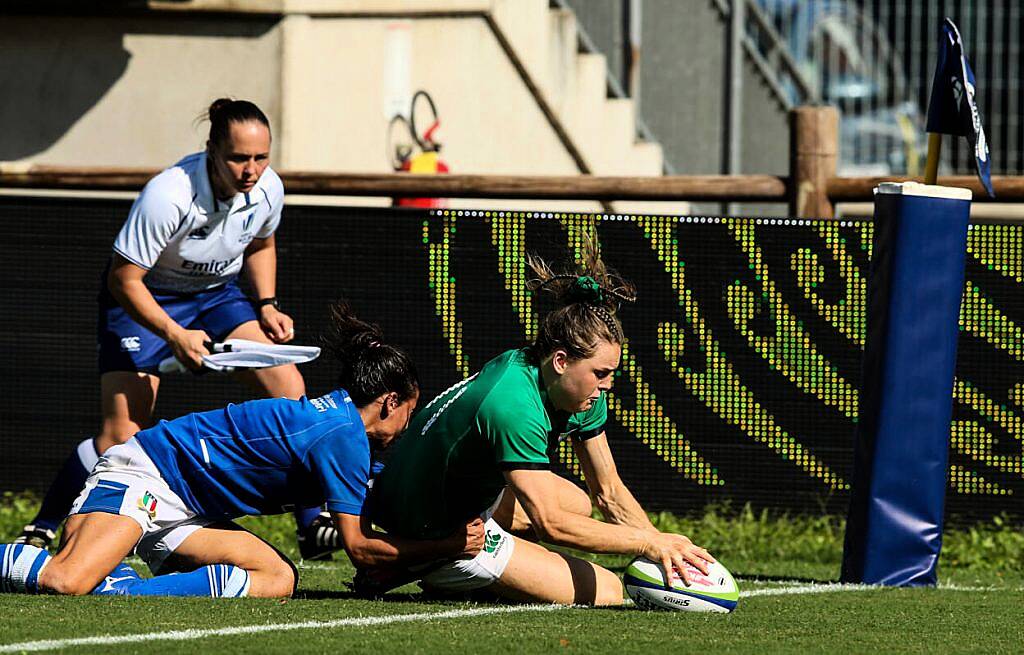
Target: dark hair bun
[[367, 366], [217, 105]]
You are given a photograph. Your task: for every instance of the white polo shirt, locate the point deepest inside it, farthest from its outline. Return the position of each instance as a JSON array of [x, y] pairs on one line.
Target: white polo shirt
[[188, 240]]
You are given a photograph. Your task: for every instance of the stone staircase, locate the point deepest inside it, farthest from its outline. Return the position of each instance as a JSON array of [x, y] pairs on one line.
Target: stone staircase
[[575, 85]]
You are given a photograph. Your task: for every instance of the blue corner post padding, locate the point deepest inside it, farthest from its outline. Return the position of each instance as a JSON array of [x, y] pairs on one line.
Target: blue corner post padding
[[894, 527]]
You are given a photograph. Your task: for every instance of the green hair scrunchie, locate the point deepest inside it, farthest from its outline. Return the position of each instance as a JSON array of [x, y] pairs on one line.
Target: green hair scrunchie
[[587, 289]]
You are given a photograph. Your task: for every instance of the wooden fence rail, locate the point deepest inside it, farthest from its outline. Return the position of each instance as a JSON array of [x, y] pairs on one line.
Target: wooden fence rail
[[811, 191], [719, 188]]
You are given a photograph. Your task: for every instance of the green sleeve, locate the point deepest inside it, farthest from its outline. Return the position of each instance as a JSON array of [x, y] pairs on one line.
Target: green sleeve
[[584, 425], [517, 436]]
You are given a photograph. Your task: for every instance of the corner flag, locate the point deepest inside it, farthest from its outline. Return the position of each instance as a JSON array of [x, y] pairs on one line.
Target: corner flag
[[952, 108]]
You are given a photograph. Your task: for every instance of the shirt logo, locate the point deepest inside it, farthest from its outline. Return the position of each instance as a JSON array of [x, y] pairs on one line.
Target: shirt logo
[[131, 344], [492, 542], [205, 268], [110, 584], [199, 232], [324, 403], [246, 235], [147, 503]]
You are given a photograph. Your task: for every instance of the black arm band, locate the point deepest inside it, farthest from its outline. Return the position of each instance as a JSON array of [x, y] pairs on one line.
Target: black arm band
[[588, 434], [527, 466], [272, 300]]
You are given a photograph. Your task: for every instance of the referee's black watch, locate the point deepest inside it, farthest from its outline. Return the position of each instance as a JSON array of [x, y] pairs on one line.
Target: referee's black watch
[[272, 300]]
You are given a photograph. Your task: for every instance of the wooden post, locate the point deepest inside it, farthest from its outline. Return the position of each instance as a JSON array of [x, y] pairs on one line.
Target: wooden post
[[814, 149]]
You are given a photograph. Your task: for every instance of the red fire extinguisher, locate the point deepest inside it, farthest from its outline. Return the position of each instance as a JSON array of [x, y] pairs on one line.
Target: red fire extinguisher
[[413, 146]]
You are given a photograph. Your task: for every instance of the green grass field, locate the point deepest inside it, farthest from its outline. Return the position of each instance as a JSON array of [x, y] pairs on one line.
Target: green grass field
[[784, 564]]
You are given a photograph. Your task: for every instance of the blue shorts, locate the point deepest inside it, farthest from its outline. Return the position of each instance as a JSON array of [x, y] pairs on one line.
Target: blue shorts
[[124, 345]]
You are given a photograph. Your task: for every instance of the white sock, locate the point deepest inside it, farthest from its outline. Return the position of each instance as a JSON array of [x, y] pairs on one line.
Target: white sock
[[20, 566]]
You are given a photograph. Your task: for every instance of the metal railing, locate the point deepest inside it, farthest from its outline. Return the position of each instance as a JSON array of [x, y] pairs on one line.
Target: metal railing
[[875, 61], [768, 51], [615, 87]]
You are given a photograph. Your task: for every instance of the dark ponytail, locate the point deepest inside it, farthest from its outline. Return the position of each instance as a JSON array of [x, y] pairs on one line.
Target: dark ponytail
[[590, 294], [369, 368], [224, 111]]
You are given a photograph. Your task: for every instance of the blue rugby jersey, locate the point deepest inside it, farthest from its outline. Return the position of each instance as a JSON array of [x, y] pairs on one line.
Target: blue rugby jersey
[[265, 456]]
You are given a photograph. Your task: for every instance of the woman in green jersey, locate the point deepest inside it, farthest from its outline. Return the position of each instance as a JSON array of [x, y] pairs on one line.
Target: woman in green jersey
[[486, 445]]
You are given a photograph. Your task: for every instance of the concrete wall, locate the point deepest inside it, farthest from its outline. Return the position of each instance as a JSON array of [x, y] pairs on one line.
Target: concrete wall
[[681, 73], [125, 91], [335, 94], [605, 24], [683, 82]]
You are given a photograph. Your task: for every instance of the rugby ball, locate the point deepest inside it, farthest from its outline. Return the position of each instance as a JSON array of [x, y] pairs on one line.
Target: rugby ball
[[714, 592]]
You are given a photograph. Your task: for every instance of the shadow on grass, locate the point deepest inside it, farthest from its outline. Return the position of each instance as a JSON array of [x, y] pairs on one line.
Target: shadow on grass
[[344, 594], [418, 597], [479, 597]]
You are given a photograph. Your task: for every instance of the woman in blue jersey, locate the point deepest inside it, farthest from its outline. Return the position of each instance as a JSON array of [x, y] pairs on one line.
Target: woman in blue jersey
[[171, 286], [169, 493]]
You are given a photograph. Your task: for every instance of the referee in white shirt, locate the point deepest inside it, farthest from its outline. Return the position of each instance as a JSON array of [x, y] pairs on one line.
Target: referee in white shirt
[[171, 286]]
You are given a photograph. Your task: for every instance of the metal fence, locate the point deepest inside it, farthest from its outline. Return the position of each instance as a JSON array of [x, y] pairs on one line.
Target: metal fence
[[874, 59]]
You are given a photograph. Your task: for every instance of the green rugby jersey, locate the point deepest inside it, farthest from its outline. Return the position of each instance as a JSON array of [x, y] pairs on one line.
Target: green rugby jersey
[[447, 467]]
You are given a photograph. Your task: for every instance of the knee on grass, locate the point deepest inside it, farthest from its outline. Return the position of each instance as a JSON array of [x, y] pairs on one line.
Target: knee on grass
[[56, 578], [277, 580]]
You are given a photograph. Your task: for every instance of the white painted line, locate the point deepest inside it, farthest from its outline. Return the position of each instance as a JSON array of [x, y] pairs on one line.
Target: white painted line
[[188, 635], [808, 589], [835, 587], [954, 587], [779, 583]]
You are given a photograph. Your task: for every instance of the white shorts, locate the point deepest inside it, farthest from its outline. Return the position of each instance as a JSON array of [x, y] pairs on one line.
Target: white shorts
[[125, 481], [482, 570]]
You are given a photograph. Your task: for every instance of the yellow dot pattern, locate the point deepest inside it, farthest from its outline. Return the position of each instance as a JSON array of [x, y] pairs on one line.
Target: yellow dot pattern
[[847, 315], [719, 387], [651, 424], [441, 281], [998, 248], [979, 317], [568, 457], [969, 483], [790, 350], [662, 436], [977, 442], [508, 236]]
